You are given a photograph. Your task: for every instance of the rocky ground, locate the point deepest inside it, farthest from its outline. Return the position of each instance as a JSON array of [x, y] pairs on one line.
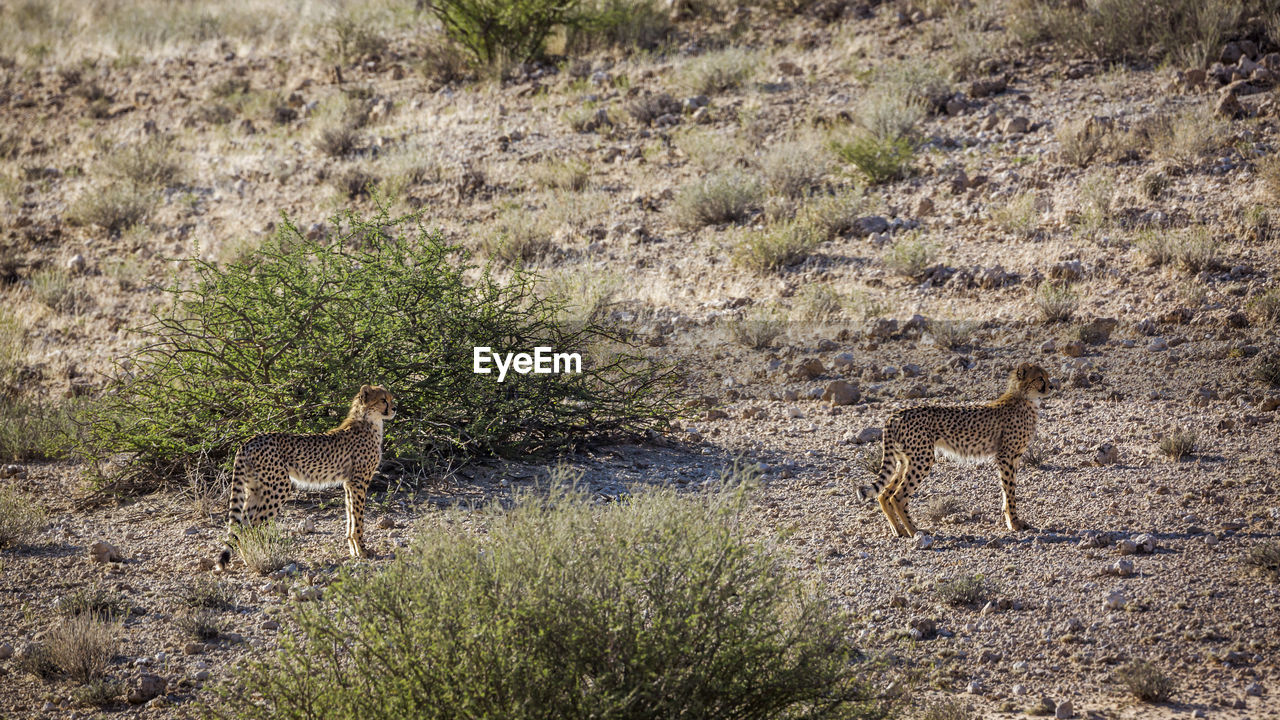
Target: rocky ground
[[1033, 167]]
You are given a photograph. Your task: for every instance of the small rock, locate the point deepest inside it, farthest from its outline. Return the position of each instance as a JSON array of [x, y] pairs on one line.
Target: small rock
[[1211, 540], [871, 224], [76, 264], [1158, 345], [146, 687], [1127, 547], [1019, 690], [1048, 346], [1107, 454], [1015, 126], [795, 412], [104, 552], [808, 369], [871, 434], [1146, 543], [306, 526], [1253, 690], [841, 393], [1021, 666], [310, 592], [915, 392], [974, 687], [192, 648], [1116, 600], [1075, 348], [923, 541], [922, 628], [1064, 710], [270, 625], [1046, 706], [1122, 568], [202, 675], [6, 651], [387, 523]]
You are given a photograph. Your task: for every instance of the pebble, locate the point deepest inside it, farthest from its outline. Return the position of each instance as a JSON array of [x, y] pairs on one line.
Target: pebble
[[1116, 600], [1211, 540], [270, 625], [310, 592], [6, 651], [1146, 543], [193, 648], [923, 541], [1019, 689], [1021, 666], [871, 434], [974, 688], [386, 522], [1253, 689], [202, 675], [104, 552], [1064, 710], [1158, 345], [1122, 568]]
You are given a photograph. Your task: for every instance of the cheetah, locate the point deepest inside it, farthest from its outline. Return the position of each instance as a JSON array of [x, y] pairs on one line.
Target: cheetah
[[999, 430], [347, 455]]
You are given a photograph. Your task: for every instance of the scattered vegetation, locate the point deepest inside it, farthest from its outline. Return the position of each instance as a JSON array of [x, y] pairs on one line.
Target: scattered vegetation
[[833, 215], [1191, 250], [517, 238], [880, 159], [723, 197], [1264, 559], [1265, 308], [97, 693], [31, 430], [81, 647], [757, 329], [97, 601], [818, 303], [242, 341], [1056, 301], [953, 334], [1145, 681], [1267, 369], [155, 162], [1019, 215], [208, 593], [718, 71], [946, 709], [1037, 452], [114, 207], [20, 518], [971, 591], [569, 175], [940, 507], [777, 247], [794, 168], [201, 623], [1179, 443], [264, 548], [501, 32], [552, 611], [910, 255]]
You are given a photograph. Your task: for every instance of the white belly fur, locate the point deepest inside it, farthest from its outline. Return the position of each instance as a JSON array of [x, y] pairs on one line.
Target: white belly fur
[[305, 482], [941, 449]]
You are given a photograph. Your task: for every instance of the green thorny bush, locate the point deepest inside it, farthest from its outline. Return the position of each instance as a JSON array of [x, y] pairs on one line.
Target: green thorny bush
[[665, 605], [281, 340]]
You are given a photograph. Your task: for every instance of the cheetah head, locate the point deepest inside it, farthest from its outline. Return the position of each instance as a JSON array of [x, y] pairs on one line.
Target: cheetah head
[[1031, 381], [377, 401]]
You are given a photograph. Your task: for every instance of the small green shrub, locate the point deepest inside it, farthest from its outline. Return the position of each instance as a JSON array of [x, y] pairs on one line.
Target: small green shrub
[[37, 431], [880, 159], [952, 334], [777, 247], [97, 693], [1195, 249], [352, 40], [1019, 215], [263, 548], [97, 601], [1179, 443], [723, 197], [154, 162], [832, 215], [887, 113], [1264, 559], [757, 329], [517, 238], [641, 24], [966, 590], [201, 623], [662, 606], [909, 255], [1056, 301], [1268, 369], [1145, 681], [20, 518], [818, 303], [794, 168], [204, 592], [718, 71], [279, 341], [503, 31], [114, 207]]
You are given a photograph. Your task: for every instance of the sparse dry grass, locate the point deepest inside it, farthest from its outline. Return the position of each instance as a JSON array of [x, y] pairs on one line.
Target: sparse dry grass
[[1264, 559], [909, 255], [757, 329], [154, 162], [723, 197], [794, 168], [1019, 215], [953, 334], [818, 303], [777, 247], [1056, 302], [114, 207], [1179, 443], [718, 71], [1267, 369], [1145, 681], [571, 175], [264, 548], [517, 236], [970, 591], [833, 215], [1192, 249], [20, 518], [940, 507], [199, 623], [81, 647]]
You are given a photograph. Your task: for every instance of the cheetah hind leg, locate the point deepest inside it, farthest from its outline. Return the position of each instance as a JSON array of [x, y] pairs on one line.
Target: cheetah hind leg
[[885, 498]]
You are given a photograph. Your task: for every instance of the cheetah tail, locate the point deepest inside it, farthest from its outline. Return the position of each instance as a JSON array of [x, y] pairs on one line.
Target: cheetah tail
[[869, 492], [224, 558]]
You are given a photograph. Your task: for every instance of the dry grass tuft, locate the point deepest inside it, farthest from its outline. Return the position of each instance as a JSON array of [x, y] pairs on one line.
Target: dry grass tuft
[[1145, 681], [723, 197], [1056, 302], [1179, 443], [756, 330], [777, 247], [1264, 559], [264, 548], [20, 518], [910, 255]]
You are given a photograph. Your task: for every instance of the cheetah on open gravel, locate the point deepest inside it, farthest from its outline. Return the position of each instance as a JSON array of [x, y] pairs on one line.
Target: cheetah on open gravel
[[999, 430], [347, 455]]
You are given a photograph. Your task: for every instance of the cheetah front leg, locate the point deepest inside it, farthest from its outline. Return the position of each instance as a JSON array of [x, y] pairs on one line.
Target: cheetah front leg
[[356, 491], [1010, 506], [886, 498]]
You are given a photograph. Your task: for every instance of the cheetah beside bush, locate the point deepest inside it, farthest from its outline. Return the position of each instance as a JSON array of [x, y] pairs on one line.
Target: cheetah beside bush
[[999, 430], [347, 455]]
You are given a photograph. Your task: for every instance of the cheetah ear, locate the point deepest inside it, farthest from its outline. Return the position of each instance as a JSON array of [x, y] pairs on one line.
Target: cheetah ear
[[1022, 371], [366, 391]]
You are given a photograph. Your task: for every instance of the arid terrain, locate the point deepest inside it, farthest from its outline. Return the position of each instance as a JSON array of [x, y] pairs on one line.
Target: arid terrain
[[720, 195]]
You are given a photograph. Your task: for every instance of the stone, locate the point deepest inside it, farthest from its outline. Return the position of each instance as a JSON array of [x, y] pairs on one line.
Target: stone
[[1019, 690], [1127, 547], [1158, 345], [808, 369], [1046, 706], [922, 628], [1228, 106], [923, 541], [1146, 543], [882, 328], [1253, 690], [871, 434], [924, 206], [270, 625], [104, 552], [1048, 346], [989, 86], [146, 687], [387, 523], [1107, 454], [1098, 331], [871, 224], [202, 675], [974, 687], [309, 593], [6, 651], [1122, 568], [1064, 710], [1230, 53], [192, 648], [1075, 348], [915, 392], [76, 264], [840, 392], [9, 471], [1015, 126], [1115, 600]]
